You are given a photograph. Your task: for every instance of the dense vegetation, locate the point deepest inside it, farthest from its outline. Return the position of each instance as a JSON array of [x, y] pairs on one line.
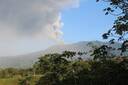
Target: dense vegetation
[[15, 76], [67, 69], [62, 69]]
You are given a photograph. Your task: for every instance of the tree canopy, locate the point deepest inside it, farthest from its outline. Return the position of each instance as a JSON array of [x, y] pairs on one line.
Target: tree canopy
[[119, 30]]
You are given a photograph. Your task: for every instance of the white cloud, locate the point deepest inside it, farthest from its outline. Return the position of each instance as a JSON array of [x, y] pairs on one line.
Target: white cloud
[[38, 19]]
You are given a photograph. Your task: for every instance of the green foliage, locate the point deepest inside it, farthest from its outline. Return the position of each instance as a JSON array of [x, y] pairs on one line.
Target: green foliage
[[60, 69], [119, 30], [100, 53], [63, 71], [12, 72], [8, 72], [25, 81]]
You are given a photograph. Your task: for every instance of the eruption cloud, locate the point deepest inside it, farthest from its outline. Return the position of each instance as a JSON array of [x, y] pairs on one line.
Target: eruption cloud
[[35, 18], [30, 25]]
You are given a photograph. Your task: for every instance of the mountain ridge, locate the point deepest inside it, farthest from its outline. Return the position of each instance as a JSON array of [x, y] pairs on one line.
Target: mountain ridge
[[26, 61]]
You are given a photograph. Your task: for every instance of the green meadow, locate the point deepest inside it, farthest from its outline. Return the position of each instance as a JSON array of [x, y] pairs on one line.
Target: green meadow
[[16, 81]]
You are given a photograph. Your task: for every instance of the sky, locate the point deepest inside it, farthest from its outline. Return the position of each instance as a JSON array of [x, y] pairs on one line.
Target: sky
[[86, 23], [32, 25]]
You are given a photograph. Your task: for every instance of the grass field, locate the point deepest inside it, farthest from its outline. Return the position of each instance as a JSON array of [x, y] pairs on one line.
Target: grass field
[[9, 81], [15, 81]]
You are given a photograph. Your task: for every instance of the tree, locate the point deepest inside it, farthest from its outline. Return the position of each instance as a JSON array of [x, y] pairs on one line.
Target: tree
[[53, 67], [62, 69], [25, 81], [119, 30]]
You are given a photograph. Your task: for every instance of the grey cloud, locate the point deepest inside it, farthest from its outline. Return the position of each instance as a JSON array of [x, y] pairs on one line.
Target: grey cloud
[[33, 17], [27, 25]]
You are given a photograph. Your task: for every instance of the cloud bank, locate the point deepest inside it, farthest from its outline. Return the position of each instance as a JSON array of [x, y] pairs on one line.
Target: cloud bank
[[35, 19]]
